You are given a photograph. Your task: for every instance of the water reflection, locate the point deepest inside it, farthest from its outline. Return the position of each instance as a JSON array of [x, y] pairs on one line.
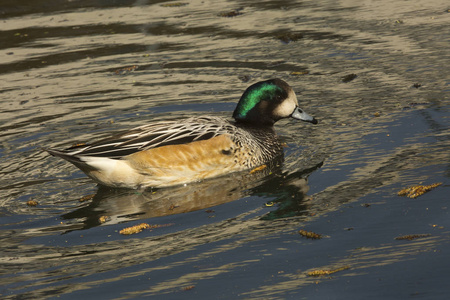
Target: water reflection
[[288, 192], [59, 84]]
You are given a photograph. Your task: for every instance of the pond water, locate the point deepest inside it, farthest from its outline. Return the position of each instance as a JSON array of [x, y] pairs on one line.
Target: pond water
[[376, 76]]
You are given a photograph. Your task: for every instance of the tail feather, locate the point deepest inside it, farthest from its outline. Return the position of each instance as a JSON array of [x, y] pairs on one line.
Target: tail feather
[[85, 163], [103, 170], [64, 155]]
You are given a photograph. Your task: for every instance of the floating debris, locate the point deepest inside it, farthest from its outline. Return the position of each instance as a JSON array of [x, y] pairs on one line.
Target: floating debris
[[437, 226], [176, 4], [376, 114], [88, 197], [411, 237], [260, 168], [188, 288], [209, 211], [349, 77], [230, 14], [103, 219], [32, 203], [417, 85], [134, 229], [126, 70], [327, 272], [418, 190], [21, 34], [138, 228], [310, 234]]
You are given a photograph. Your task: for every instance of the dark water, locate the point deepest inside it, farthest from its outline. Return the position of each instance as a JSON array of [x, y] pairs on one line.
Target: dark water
[[75, 71]]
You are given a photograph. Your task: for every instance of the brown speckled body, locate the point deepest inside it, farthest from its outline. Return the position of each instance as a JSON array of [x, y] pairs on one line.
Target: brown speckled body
[[178, 164]]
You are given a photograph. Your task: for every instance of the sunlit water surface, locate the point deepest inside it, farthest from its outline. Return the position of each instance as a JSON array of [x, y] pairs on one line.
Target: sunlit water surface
[[375, 74]]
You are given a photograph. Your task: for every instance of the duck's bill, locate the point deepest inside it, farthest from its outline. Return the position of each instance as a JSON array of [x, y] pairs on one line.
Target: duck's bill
[[299, 114]]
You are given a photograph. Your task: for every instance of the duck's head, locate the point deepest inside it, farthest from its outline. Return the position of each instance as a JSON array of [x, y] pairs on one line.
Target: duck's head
[[266, 102]]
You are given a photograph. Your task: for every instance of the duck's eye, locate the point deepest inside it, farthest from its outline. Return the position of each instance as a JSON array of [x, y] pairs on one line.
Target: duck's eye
[[278, 97]]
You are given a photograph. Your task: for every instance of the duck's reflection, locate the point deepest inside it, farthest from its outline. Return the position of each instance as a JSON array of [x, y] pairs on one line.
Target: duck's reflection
[[288, 192], [290, 197]]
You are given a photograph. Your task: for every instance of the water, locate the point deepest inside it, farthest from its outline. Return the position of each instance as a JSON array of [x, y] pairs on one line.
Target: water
[[76, 71]]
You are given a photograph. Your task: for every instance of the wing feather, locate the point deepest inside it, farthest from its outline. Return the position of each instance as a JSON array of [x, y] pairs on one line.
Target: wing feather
[[155, 135]]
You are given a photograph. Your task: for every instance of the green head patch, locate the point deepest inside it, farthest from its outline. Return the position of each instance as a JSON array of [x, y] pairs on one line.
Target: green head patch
[[256, 93]]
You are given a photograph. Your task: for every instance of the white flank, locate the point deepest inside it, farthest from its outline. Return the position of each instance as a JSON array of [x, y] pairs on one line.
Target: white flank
[[112, 172]]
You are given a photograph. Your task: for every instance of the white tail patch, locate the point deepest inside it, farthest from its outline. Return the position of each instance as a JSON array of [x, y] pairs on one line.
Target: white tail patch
[[102, 164], [111, 172]]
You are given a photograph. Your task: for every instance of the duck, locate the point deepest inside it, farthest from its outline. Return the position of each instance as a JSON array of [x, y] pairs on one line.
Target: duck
[[176, 152]]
